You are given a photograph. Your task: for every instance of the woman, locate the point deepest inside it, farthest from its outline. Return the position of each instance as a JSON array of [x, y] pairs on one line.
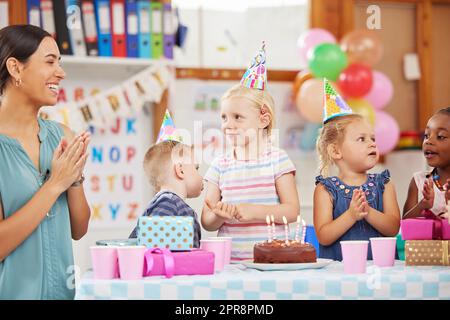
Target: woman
[[42, 201]]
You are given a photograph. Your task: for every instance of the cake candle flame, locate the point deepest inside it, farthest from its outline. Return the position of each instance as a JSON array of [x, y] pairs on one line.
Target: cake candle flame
[[286, 230], [273, 227], [269, 230], [297, 230]]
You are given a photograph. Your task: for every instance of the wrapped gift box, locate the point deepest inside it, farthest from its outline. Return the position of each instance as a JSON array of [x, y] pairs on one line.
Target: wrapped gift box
[[163, 262], [428, 227], [427, 252], [168, 232]]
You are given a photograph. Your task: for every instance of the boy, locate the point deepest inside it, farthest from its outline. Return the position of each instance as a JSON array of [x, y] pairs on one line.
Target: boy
[[173, 173]]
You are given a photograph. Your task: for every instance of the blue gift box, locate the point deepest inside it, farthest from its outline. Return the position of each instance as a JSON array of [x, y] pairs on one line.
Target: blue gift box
[[167, 232]]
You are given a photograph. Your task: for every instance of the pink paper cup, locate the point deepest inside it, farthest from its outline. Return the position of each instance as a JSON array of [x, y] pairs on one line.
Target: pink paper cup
[[104, 262], [218, 247], [383, 251], [354, 255], [228, 245], [131, 262]]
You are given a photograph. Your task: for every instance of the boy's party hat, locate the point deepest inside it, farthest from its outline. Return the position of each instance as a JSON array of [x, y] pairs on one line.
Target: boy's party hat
[[333, 104], [168, 130], [256, 75]]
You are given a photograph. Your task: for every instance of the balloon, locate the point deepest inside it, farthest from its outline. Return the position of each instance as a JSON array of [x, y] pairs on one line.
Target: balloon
[[310, 39], [309, 136], [301, 77], [364, 108], [356, 80], [327, 60], [363, 46], [387, 132], [381, 92], [310, 100]]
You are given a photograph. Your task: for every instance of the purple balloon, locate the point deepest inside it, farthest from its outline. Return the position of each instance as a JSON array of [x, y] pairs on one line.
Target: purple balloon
[[381, 92], [311, 38], [387, 132]]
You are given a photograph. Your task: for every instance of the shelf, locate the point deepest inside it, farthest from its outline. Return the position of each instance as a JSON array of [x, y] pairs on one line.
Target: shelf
[[109, 67]]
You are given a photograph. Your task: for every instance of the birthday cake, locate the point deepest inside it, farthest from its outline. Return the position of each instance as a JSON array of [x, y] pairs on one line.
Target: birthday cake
[[278, 251]]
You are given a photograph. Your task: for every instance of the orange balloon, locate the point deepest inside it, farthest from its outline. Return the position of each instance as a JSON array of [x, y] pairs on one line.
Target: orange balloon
[[309, 99], [363, 46], [301, 77]]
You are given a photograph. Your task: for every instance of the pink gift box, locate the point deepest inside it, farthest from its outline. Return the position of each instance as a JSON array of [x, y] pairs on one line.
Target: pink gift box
[[164, 262], [429, 227]]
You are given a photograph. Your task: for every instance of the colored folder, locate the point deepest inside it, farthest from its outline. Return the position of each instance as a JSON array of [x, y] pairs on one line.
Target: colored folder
[[119, 43], [75, 26], [48, 17], [34, 12], [144, 28], [157, 30], [62, 32], [132, 26], [103, 18], [90, 27], [168, 31]]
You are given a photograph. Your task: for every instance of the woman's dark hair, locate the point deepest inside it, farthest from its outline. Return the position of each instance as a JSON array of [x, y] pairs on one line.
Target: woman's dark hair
[[20, 42], [445, 111]]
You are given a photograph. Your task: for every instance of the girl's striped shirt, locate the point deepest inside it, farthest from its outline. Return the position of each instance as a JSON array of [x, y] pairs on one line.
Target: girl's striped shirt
[[249, 181]]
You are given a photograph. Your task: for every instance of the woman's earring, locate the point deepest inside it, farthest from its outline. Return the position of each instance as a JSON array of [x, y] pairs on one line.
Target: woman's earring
[[18, 82]]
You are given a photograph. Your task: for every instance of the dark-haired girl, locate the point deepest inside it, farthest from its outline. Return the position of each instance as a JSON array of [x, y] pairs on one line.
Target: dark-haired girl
[[430, 190]]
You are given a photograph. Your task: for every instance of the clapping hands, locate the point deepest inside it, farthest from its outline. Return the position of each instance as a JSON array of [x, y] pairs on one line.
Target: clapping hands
[[359, 208], [242, 212]]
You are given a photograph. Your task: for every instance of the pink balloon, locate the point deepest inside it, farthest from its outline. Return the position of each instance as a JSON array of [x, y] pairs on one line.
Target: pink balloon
[[381, 92], [387, 132], [311, 38]]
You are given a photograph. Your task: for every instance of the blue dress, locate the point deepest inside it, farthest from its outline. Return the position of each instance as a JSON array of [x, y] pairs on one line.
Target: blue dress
[[342, 195], [41, 267]]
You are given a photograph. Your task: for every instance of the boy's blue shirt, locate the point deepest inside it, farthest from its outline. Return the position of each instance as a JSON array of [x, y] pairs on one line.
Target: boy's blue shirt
[[168, 203]]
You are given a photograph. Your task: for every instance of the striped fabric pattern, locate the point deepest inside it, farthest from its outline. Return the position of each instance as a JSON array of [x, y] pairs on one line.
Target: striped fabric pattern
[[249, 181]]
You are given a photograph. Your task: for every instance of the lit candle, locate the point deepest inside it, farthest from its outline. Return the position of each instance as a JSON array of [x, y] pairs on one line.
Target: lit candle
[[269, 230], [297, 230], [286, 230], [273, 227], [303, 231]]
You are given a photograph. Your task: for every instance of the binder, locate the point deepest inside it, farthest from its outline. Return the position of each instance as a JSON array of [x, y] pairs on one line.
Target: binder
[[119, 43], [157, 30], [62, 32], [4, 17], [144, 28], [75, 26], [103, 19], [47, 15], [34, 12], [90, 27], [168, 31], [132, 27]]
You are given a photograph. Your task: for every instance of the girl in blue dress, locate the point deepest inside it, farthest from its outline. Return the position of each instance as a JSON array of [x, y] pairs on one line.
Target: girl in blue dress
[[352, 205], [42, 202]]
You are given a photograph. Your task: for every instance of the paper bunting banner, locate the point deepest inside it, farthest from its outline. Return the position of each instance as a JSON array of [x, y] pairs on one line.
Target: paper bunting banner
[[122, 100]]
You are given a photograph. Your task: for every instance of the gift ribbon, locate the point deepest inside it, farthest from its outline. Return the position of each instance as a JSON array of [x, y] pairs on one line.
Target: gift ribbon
[[437, 224], [445, 252], [169, 261]]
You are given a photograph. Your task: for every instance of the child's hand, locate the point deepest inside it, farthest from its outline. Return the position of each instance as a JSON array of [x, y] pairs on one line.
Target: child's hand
[[447, 191], [244, 212], [224, 210], [428, 194], [359, 208]]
